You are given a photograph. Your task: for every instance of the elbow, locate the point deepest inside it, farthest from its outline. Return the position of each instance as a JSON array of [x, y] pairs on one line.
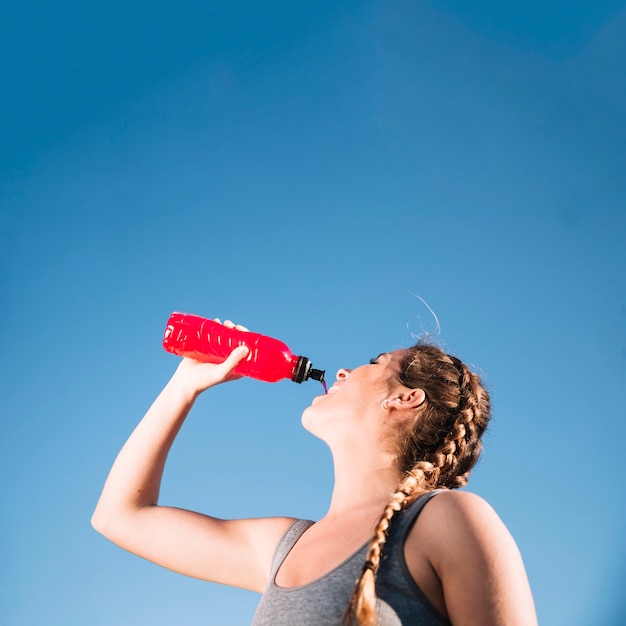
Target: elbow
[[98, 521], [114, 523], [104, 520]]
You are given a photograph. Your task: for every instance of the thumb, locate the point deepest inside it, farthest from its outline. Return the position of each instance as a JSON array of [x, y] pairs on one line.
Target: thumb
[[236, 357]]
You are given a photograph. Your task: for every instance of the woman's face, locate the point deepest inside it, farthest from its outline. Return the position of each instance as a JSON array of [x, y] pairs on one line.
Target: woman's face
[[354, 400]]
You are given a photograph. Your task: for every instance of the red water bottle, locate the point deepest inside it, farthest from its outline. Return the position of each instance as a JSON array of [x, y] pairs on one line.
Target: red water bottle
[[204, 340]]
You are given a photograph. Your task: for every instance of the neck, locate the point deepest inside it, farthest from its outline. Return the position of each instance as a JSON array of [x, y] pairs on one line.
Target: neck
[[362, 481]]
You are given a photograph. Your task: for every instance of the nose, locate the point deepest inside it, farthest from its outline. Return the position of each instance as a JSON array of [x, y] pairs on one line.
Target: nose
[[342, 373]]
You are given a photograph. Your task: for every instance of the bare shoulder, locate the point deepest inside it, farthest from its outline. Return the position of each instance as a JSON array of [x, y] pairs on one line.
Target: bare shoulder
[[462, 515], [461, 502], [475, 559]]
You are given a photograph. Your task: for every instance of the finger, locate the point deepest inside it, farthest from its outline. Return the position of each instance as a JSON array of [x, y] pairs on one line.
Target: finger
[[243, 328], [240, 353], [217, 319], [229, 324], [235, 357]]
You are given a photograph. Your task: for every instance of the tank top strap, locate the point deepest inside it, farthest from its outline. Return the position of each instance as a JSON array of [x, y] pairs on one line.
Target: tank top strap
[[408, 517], [289, 539]]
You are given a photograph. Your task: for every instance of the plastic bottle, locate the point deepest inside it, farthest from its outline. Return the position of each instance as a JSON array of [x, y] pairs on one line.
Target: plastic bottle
[[203, 339]]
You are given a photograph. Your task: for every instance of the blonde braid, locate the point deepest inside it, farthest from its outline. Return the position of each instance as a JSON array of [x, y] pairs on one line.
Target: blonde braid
[[464, 444], [363, 601], [456, 399]]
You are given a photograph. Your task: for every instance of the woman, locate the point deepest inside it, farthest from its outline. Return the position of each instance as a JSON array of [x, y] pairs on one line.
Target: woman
[[397, 546]]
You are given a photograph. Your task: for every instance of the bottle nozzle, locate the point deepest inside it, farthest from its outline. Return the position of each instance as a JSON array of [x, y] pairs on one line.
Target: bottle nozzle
[[304, 370], [317, 374]]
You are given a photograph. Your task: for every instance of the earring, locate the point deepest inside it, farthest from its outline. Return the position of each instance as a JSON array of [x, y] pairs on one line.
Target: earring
[[384, 404]]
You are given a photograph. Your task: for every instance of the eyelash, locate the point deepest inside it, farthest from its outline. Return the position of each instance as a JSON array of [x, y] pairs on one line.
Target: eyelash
[[373, 361]]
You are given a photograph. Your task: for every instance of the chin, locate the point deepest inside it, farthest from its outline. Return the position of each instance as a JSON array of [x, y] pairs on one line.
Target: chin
[[311, 421], [307, 417]]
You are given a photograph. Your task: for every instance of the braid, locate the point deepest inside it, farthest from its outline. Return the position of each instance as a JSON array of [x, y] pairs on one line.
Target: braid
[[472, 417], [363, 601], [438, 451]]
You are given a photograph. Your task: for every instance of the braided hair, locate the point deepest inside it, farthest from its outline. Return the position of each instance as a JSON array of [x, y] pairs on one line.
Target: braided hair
[[437, 450]]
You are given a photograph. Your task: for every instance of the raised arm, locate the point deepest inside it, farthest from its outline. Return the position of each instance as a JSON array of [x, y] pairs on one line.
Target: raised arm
[[233, 552]]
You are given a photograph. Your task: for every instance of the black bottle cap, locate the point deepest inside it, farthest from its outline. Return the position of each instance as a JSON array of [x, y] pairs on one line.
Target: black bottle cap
[[317, 374], [304, 370]]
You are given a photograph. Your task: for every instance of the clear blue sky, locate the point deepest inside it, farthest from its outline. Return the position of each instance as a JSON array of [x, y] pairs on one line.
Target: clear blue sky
[[304, 169]]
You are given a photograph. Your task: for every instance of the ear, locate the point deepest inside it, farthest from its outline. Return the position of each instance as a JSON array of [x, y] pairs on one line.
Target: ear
[[409, 399]]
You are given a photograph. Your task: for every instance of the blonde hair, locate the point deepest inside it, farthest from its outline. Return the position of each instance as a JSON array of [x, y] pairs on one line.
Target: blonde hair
[[437, 451]]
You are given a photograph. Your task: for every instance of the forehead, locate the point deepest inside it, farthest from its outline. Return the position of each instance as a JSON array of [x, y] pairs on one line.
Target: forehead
[[394, 358]]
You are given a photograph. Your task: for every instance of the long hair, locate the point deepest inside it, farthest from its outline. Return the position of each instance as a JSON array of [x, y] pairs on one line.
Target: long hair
[[437, 450]]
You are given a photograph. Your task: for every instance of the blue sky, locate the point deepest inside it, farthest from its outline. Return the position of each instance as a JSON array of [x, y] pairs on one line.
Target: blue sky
[[306, 170]]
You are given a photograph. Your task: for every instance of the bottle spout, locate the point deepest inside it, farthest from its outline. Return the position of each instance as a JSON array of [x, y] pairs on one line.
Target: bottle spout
[[303, 370], [317, 374]]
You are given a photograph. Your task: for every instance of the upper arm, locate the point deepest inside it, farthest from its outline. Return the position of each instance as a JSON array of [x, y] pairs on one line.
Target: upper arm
[[232, 552], [481, 571]]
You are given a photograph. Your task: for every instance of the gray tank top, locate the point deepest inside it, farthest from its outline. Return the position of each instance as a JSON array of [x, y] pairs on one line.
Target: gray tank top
[[324, 601]]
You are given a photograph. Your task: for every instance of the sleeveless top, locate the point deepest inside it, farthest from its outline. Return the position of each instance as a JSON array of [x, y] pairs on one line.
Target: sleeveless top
[[323, 602]]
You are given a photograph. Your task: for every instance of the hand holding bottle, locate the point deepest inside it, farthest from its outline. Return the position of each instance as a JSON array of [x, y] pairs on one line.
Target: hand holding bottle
[[198, 376], [208, 341]]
